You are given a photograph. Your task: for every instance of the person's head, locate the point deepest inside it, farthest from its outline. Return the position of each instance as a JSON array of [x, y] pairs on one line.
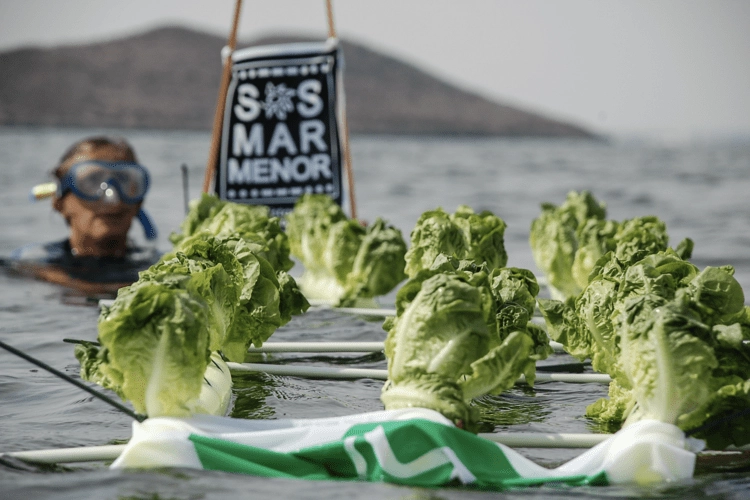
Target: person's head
[[101, 191]]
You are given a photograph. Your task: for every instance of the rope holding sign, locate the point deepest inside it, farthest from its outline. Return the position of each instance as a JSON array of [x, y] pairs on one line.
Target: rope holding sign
[[344, 125], [331, 22], [213, 154]]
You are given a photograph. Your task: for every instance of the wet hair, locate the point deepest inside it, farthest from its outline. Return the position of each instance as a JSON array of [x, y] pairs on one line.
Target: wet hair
[[90, 145]]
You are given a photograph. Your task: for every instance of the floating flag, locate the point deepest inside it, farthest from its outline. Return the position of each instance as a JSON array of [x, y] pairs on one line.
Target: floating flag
[[415, 447]]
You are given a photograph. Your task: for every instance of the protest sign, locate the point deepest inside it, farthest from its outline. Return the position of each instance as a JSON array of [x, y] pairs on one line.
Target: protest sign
[[281, 135]]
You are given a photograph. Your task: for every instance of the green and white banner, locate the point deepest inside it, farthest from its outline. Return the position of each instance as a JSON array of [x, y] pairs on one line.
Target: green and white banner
[[416, 447]]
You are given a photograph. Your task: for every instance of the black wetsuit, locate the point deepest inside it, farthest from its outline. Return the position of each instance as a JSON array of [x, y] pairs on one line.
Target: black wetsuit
[[92, 269]]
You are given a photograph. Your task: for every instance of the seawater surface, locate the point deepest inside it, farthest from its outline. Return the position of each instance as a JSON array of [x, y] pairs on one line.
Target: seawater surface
[[700, 190]]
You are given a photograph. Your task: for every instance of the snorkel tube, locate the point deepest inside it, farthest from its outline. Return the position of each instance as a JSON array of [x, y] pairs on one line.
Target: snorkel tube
[[149, 229]]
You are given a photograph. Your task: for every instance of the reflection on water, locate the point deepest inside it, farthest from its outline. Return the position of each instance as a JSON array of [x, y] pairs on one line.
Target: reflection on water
[[511, 408], [250, 391]]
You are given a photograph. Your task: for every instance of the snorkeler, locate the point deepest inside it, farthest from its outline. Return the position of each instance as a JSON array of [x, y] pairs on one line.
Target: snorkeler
[[99, 190]]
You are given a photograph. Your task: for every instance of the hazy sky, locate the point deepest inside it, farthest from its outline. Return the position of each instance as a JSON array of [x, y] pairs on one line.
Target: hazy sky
[[676, 68]]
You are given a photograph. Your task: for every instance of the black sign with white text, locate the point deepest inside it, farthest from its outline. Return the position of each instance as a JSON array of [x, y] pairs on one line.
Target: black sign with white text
[[280, 136]]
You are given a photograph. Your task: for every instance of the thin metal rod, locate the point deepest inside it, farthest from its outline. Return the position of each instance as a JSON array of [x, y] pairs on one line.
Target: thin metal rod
[[73, 381], [378, 374], [226, 74], [185, 195]]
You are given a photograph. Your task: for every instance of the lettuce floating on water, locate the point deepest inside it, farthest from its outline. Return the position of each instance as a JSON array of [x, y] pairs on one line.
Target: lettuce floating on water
[[343, 261], [154, 349], [259, 303], [264, 303], [673, 339], [210, 271], [460, 332], [464, 235], [251, 222], [211, 293], [557, 234], [687, 362]]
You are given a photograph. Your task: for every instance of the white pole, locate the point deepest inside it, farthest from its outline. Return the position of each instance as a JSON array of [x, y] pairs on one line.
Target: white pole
[[365, 311], [378, 374], [318, 347], [310, 371], [337, 347], [69, 455], [544, 440], [111, 452]]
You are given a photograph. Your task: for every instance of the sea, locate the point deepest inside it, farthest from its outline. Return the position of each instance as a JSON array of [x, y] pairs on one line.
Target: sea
[[700, 189]]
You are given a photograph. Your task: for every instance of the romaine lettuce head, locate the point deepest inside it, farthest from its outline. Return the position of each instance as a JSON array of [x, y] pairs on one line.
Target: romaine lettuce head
[[554, 240], [514, 292], [259, 302], [664, 356], [639, 237], [378, 264], [485, 236], [595, 238], [440, 356], [343, 241], [568, 242], [154, 348], [200, 210], [434, 234], [432, 345], [344, 262], [587, 328], [206, 267], [682, 358], [308, 225], [464, 235], [252, 222], [259, 308]]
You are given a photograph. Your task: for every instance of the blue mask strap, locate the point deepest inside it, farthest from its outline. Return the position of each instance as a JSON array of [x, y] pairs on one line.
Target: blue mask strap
[[148, 227]]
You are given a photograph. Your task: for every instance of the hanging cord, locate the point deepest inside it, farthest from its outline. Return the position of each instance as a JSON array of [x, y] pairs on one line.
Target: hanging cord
[[127, 411], [213, 154], [344, 125]]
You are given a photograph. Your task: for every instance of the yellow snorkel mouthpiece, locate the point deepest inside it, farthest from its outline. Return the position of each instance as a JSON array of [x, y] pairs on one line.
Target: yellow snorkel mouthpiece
[[42, 191]]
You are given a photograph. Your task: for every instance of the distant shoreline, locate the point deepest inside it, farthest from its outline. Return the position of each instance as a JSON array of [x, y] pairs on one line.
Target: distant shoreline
[[82, 86]]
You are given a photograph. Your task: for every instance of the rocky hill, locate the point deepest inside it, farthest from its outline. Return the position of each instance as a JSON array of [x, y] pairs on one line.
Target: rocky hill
[[168, 78]]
